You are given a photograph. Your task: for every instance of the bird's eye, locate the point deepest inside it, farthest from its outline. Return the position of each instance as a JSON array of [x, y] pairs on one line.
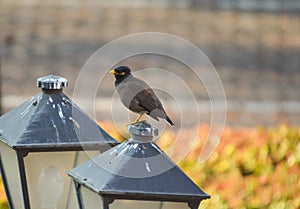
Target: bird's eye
[[121, 73]]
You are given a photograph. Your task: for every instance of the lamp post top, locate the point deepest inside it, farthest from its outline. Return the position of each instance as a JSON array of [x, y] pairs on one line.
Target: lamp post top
[[142, 131], [138, 169], [52, 82], [51, 121]]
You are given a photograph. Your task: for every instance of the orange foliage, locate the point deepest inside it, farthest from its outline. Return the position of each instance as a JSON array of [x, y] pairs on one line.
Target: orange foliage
[[251, 167]]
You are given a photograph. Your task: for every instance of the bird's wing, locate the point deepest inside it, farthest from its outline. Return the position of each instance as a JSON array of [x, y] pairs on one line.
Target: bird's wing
[[152, 104], [142, 94], [148, 100], [139, 97]]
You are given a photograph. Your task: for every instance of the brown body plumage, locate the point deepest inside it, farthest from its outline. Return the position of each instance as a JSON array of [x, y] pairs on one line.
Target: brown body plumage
[[137, 95]]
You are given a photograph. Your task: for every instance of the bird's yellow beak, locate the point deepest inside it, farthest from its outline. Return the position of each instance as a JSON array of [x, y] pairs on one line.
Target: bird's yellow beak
[[116, 73], [112, 72]]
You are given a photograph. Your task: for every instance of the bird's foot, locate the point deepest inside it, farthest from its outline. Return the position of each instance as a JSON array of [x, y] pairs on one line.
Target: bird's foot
[[132, 123], [135, 122]]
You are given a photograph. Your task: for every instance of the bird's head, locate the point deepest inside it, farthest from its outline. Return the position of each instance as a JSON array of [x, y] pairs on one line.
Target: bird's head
[[120, 73]]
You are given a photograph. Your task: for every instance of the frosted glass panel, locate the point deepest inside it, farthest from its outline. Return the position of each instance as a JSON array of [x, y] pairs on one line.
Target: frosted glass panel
[[81, 158], [90, 199], [49, 186], [175, 205], [135, 204], [10, 165]]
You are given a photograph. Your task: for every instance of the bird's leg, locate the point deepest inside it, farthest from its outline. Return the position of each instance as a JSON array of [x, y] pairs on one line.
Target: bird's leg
[[137, 119]]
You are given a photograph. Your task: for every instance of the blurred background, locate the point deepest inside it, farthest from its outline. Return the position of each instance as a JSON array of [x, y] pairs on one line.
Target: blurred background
[[253, 44]]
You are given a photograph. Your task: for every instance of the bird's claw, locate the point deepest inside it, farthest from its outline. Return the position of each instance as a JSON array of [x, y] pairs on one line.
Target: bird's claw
[[132, 123], [135, 122]]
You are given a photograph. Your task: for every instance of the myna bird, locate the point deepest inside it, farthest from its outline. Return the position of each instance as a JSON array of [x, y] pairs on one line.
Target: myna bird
[[137, 95]]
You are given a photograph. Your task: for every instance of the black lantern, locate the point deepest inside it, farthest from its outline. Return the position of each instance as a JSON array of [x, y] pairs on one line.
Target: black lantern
[[135, 174], [39, 141]]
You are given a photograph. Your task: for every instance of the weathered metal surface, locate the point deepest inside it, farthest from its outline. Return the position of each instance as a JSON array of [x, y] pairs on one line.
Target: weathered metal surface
[[137, 170], [50, 120]]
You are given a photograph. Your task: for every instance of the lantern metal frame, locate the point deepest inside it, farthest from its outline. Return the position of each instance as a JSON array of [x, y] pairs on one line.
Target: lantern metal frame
[[48, 122], [110, 184]]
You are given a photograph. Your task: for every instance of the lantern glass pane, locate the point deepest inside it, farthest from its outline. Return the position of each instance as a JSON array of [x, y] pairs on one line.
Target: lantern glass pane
[[48, 184], [11, 169], [90, 199], [175, 205], [137, 204]]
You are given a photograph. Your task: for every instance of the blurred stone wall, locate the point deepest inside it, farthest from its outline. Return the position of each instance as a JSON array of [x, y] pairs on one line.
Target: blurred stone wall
[[255, 53]]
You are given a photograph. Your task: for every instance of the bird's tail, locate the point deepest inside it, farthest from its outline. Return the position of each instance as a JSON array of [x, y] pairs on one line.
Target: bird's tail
[[159, 113], [169, 121]]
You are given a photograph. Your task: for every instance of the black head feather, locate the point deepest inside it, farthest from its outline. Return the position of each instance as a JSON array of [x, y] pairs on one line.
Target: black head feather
[[121, 73]]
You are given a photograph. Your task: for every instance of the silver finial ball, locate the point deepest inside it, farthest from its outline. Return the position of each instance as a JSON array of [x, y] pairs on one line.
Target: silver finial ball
[[52, 82]]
